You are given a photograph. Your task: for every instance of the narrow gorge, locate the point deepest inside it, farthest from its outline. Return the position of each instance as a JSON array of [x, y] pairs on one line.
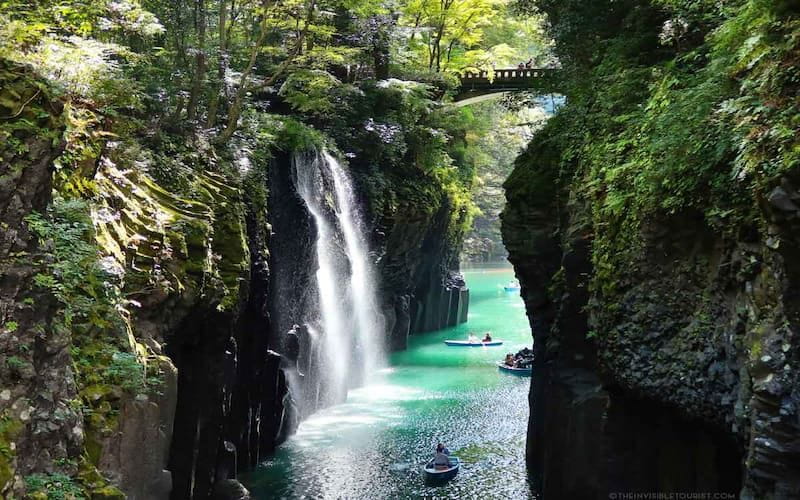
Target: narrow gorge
[[248, 250]]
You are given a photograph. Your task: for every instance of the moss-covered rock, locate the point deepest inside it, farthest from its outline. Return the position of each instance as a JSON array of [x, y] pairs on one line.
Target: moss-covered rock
[[672, 219]]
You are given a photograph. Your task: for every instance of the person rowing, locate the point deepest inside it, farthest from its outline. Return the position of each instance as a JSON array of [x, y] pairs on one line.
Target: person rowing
[[487, 337], [442, 459]]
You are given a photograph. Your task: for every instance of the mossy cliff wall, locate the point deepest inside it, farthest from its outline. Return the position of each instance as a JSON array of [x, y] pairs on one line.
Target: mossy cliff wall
[[150, 282], [653, 227], [37, 423], [135, 324]]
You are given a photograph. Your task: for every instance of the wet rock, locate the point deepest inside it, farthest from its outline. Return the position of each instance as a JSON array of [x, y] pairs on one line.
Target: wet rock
[[781, 200], [230, 489]]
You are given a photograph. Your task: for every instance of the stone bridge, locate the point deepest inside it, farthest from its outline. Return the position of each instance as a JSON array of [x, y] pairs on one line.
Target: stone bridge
[[476, 87]]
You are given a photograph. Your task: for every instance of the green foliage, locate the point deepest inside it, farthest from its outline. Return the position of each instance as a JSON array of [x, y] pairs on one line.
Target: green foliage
[[126, 371], [496, 134], [16, 363], [459, 35], [54, 486], [686, 109], [293, 135], [73, 273], [309, 91]]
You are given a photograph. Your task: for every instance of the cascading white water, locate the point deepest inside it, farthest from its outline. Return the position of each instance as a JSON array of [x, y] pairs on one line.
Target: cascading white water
[[369, 320], [348, 305]]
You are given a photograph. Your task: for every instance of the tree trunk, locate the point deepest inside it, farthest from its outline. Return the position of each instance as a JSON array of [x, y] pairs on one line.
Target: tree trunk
[[221, 67], [236, 109], [200, 60]]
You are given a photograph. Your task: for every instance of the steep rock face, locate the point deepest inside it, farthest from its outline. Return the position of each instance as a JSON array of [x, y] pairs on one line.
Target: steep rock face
[[671, 298], [293, 287], [201, 281], [423, 290], [149, 374], [691, 375], [417, 238], [37, 424]]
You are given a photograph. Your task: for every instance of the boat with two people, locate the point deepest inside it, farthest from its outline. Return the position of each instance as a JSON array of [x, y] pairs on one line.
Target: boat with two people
[[472, 341]]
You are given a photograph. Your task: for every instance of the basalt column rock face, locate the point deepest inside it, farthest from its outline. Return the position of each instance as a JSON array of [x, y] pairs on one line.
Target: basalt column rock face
[[231, 389], [590, 434], [422, 287], [293, 287], [37, 424]]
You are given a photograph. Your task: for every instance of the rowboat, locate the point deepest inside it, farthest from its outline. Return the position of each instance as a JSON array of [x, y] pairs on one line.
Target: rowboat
[[435, 475], [467, 343], [513, 370]]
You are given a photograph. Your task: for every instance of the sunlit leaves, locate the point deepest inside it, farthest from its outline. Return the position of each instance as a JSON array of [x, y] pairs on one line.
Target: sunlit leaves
[[309, 91], [468, 35]]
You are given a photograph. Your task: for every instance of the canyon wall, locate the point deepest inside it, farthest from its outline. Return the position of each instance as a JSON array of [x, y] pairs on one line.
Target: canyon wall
[[657, 250], [151, 287]]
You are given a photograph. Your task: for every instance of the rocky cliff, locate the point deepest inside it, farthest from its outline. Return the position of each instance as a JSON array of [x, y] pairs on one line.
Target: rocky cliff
[[151, 282], [656, 247], [149, 371]]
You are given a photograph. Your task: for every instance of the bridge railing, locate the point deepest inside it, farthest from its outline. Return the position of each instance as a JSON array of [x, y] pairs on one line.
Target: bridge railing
[[509, 74]]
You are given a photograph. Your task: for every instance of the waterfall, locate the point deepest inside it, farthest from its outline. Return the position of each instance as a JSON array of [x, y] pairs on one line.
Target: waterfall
[[348, 314]]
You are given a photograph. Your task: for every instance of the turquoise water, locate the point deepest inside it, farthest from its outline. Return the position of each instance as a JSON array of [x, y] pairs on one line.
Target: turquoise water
[[373, 445]]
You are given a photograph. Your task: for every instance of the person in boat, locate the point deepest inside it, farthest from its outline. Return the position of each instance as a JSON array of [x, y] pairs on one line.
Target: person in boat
[[472, 338], [441, 460], [509, 360], [487, 337]]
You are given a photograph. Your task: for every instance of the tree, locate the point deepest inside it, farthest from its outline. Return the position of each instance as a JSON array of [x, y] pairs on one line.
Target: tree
[[459, 35]]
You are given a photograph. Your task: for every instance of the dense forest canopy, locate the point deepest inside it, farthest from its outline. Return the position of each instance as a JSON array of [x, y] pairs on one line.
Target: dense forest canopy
[[208, 67], [203, 60]]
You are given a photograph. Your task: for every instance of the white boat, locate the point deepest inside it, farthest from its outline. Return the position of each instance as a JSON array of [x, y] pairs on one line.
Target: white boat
[[467, 343]]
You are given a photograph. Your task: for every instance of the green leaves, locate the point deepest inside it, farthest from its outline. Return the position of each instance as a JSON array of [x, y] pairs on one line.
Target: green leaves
[[310, 91], [54, 486], [458, 35], [73, 274]]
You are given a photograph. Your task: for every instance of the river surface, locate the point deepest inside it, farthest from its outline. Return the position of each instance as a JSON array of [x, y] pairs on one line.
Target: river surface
[[373, 445]]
